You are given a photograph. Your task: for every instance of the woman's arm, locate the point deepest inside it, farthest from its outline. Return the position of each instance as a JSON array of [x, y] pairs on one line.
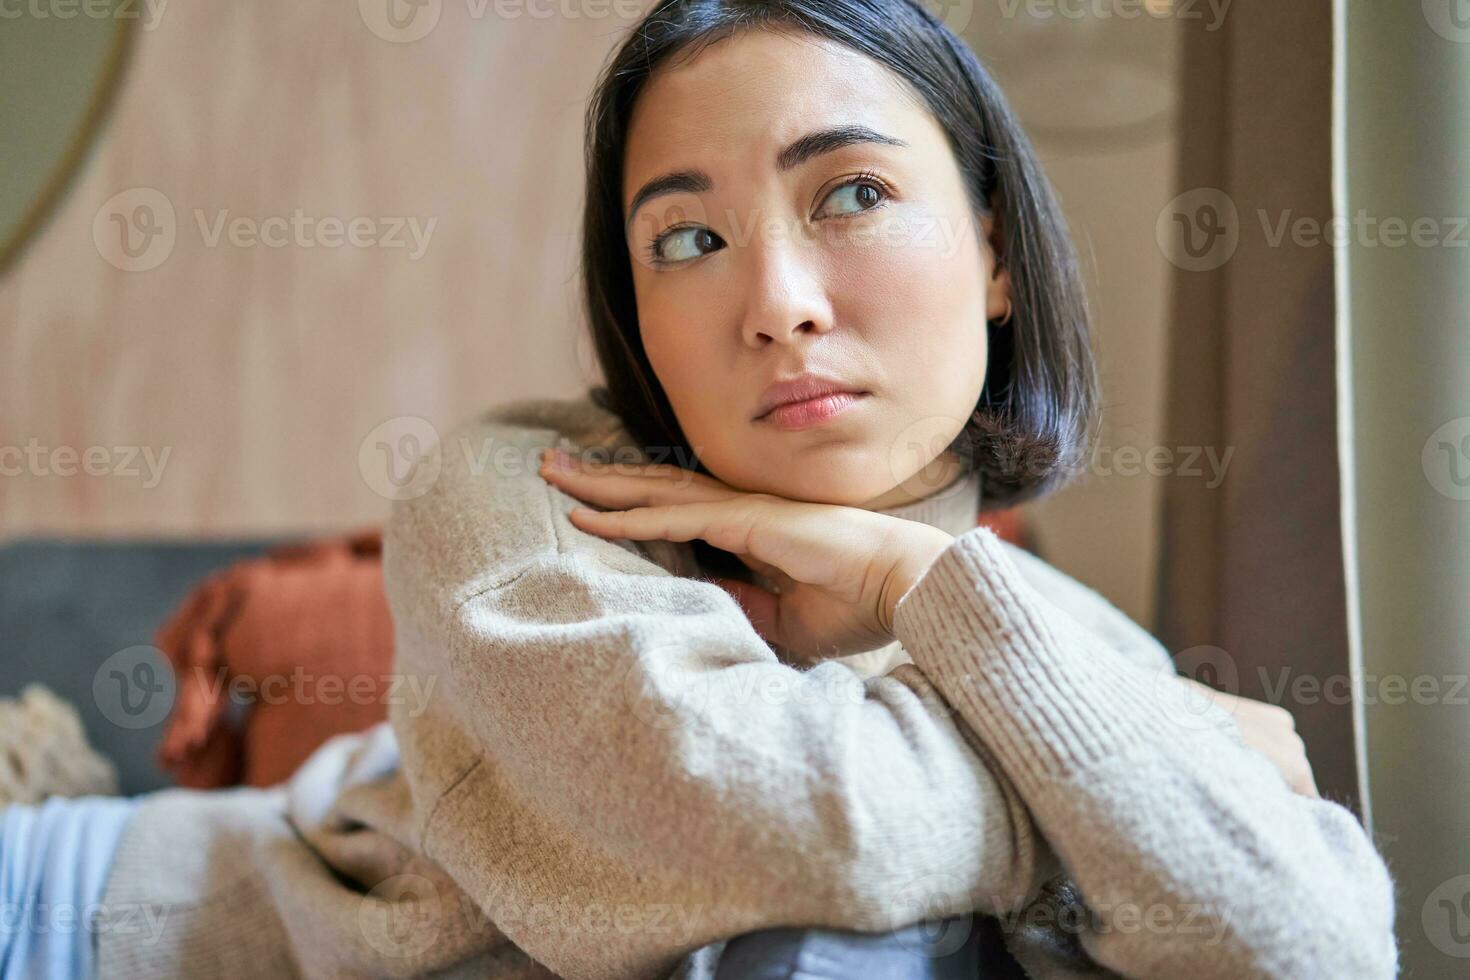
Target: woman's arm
[[1193, 855], [649, 776]]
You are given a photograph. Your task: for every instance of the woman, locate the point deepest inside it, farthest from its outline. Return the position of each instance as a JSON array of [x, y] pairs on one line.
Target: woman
[[762, 669]]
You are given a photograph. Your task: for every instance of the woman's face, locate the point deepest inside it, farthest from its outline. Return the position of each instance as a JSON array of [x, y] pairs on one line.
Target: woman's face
[[815, 221]]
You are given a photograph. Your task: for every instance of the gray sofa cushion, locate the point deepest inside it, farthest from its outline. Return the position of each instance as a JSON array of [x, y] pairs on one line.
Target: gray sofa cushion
[[66, 607]]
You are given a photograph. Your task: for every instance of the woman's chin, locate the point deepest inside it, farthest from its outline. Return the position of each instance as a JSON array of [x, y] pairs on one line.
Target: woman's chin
[[831, 488], [827, 473]]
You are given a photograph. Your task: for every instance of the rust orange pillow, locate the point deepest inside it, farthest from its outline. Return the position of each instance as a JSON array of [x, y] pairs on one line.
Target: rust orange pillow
[[272, 657]]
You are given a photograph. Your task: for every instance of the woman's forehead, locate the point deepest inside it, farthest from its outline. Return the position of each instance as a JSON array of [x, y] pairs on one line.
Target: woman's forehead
[[746, 97]]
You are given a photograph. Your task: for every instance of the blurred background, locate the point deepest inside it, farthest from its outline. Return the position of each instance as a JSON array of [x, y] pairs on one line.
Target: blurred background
[[253, 256]]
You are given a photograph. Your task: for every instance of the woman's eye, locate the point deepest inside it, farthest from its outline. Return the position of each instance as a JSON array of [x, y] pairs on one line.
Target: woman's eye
[[854, 198], [683, 244]]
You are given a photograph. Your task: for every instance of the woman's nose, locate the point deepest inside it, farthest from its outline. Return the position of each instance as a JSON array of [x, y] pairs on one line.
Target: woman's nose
[[787, 295]]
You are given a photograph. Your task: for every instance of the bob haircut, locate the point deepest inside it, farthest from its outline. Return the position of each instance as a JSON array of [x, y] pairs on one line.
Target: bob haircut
[[1037, 411]]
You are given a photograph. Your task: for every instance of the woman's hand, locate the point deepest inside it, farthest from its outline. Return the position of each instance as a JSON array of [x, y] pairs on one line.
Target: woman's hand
[[1269, 729], [840, 570]]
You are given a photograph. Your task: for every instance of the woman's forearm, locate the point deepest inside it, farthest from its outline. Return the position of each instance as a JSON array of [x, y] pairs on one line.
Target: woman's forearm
[[1191, 850]]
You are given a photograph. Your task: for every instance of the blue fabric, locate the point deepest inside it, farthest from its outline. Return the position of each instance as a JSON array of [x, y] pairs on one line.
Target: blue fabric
[[960, 948], [54, 859]]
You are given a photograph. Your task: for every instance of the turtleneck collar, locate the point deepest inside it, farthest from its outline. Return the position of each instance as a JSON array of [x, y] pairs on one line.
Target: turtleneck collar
[[954, 509]]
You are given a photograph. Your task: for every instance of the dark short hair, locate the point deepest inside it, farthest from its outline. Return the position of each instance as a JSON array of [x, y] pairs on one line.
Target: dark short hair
[[1032, 426]]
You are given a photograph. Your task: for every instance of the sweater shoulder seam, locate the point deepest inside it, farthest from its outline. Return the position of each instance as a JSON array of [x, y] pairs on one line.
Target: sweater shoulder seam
[[439, 799], [525, 566]]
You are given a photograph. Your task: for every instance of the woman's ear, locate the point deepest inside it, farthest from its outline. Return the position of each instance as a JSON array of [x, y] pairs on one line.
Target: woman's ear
[[998, 300]]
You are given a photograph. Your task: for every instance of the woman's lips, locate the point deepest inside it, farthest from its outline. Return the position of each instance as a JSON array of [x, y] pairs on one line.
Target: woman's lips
[[812, 411]]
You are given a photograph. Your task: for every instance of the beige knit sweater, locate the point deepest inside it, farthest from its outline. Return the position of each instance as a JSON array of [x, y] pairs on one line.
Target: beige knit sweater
[[613, 771]]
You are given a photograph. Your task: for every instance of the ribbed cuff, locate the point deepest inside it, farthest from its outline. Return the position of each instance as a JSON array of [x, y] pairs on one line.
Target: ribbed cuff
[[1046, 697]]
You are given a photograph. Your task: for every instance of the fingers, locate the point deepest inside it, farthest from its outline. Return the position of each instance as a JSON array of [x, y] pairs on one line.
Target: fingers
[[623, 486], [1270, 730], [795, 540], [643, 486], [721, 523]]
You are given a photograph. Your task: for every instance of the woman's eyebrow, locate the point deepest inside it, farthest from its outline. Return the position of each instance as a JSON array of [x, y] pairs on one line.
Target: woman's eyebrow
[[826, 140], [688, 181], [801, 150]]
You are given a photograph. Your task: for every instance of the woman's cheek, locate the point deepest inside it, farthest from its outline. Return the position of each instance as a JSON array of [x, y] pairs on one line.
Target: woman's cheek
[[899, 272], [673, 321], [681, 337], [918, 283]]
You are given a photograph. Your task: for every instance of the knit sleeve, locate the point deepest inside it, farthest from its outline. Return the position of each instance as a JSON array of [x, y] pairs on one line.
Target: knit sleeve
[[638, 774], [1193, 855]]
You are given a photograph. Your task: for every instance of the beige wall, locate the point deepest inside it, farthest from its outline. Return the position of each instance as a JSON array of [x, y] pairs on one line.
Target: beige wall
[[252, 375], [260, 370]]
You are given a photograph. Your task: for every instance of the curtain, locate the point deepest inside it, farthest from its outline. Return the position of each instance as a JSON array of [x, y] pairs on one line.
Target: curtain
[[1251, 589]]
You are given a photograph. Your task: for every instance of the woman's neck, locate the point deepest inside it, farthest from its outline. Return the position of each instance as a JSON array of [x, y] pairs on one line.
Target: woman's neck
[[949, 500], [937, 476]]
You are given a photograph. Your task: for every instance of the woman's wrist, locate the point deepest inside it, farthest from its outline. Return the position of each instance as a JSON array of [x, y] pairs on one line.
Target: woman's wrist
[[921, 547]]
